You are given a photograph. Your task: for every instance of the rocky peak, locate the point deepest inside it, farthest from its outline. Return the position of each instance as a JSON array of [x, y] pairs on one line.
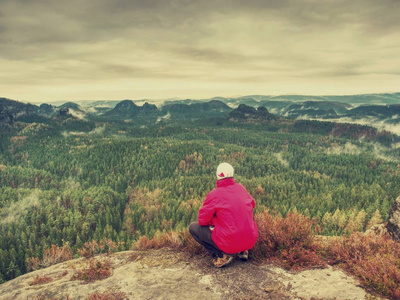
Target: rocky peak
[[126, 109], [126, 105], [46, 108], [71, 105], [149, 107], [64, 111], [245, 112]]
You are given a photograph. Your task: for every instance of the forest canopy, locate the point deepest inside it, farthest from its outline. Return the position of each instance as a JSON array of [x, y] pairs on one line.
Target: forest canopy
[[70, 181]]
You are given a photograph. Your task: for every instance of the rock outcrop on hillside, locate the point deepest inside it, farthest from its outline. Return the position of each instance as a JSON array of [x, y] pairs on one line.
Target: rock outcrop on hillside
[[393, 224], [245, 112], [11, 108], [6, 118], [168, 274]]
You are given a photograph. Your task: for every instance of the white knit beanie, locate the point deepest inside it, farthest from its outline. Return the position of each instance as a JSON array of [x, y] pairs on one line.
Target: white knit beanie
[[224, 170]]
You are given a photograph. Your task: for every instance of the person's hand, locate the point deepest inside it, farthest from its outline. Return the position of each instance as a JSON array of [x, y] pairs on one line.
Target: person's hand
[[211, 227]]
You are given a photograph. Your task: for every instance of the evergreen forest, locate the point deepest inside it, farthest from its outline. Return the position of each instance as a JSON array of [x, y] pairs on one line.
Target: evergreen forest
[[71, 181]]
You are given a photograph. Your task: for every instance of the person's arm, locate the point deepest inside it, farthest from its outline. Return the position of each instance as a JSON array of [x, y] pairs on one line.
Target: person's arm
[[253, 203], [206, 212]]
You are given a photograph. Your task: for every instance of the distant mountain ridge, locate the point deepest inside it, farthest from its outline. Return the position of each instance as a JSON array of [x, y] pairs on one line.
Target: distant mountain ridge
[[246, 113], [12, 110], [380, 111], [15, 107], [72, 105], [213, 107], [128, 109], [378, 107]]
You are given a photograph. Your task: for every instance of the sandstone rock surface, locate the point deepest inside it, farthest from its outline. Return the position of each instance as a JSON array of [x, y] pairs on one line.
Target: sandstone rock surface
[[168, 274]]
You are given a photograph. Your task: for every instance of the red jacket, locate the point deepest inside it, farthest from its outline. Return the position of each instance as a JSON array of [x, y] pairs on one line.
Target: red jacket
[[229, 208]]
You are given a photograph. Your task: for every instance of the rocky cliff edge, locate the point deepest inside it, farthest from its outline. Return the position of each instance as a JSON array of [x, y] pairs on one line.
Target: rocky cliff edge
[[170, 274]]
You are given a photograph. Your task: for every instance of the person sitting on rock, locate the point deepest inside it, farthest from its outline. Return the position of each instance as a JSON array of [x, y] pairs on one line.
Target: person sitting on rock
[[225, 222]]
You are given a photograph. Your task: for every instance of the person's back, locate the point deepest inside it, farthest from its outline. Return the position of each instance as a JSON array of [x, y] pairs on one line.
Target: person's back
[[228, 209]]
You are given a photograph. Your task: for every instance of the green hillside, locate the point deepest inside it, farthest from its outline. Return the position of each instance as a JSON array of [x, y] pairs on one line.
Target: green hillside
[[72, 181]]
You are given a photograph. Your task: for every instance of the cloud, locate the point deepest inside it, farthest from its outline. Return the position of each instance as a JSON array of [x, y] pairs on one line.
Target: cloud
[[382, 152], [165, 117], [347, 148], [368, 121], [77, 114], [379, 151], [179, 48]]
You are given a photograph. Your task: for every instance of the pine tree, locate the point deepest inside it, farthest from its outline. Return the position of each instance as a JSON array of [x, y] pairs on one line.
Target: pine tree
[[375, 219]]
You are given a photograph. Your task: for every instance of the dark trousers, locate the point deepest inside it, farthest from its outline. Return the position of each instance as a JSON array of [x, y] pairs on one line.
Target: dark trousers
[[202, 235]]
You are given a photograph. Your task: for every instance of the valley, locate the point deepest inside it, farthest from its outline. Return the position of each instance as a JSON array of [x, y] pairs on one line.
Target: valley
[[71, 174]]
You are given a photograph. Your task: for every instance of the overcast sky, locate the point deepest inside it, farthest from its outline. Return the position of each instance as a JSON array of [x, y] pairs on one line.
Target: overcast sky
[[135, 49]]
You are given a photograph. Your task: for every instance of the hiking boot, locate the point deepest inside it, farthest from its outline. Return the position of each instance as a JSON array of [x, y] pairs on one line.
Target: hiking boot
[[219, 262], [244, 255]]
